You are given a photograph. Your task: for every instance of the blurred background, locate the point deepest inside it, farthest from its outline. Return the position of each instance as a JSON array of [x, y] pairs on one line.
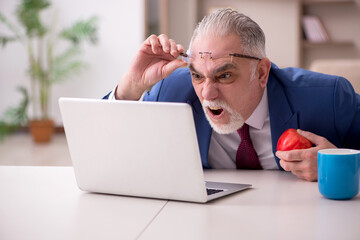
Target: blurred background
[[120, 33], [123, 26]]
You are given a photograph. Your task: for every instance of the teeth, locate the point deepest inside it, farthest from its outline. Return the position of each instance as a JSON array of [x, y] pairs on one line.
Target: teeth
[[215, 108]]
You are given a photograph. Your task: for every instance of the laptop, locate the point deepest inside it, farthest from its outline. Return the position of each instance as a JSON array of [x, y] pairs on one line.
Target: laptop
[[135, 148]]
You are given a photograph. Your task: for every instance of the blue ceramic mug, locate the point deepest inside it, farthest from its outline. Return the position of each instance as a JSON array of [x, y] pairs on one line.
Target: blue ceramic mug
[[338, 173]]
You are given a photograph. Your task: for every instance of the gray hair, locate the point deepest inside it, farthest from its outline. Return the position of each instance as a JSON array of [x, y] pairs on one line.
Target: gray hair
[[226, 21]]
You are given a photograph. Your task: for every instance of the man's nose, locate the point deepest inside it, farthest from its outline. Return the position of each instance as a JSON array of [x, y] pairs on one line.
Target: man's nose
[[210, 90]]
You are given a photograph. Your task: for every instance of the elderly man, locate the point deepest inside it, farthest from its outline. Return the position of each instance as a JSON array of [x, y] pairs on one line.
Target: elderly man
[[242, 102]]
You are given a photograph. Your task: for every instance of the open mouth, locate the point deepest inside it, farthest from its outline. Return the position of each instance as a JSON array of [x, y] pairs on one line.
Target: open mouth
[[216, 111]]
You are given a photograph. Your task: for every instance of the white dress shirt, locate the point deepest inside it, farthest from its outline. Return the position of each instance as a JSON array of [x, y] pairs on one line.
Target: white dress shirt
[[223, 147]]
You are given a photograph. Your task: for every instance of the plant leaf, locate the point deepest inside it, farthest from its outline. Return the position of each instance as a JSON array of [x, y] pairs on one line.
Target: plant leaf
[[15, 117], [4, 40], [82, 31], [28, 14], [67, 64], [12, 28], [6, 129]]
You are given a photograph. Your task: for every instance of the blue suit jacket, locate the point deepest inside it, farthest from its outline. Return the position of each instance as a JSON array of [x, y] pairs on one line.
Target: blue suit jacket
[[323, 104]]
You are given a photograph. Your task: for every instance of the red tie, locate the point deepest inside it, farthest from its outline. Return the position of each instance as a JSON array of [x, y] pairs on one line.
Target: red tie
[[246, 157]]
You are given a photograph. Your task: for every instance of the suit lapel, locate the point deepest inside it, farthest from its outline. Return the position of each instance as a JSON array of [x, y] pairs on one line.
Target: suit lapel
[[280, 112], [203, 131]]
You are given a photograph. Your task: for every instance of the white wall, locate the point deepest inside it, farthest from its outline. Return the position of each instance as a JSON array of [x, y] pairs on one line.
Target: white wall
[[121, 29]]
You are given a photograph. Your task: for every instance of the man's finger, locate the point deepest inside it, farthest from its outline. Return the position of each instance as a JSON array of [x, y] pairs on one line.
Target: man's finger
[[285, 165], [292, 155], [173, 48], [154, 42], [164, 41], [312, 137], [180, 47], [300, 170], [310, 176], [171, 66], [290, 165]]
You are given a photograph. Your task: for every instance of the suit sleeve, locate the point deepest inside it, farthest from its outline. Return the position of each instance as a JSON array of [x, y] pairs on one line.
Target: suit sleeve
[[347, 114], [153, 94]]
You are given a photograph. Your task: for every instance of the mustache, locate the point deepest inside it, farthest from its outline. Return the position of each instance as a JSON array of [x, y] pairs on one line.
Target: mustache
[[217, 104], [236, 119]]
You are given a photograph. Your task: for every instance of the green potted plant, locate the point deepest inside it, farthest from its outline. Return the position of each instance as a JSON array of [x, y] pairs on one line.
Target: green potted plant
[[46, 66]]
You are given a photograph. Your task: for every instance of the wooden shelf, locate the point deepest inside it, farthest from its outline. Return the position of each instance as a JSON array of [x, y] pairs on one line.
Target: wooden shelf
[[335, 14], [307, 44], [327, 2]]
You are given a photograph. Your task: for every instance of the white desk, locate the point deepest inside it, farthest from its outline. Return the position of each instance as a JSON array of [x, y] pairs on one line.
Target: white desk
[[44, 203], [279, 206]]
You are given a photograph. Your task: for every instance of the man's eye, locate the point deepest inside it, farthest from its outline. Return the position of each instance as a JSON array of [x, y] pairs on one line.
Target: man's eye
[[196, 76], [225, 76]]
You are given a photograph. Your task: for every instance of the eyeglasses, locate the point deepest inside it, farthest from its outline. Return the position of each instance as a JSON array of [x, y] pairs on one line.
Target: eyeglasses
[[244, 56], [186, 56]]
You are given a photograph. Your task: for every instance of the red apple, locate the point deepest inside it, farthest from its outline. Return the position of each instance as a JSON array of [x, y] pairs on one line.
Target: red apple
[[291, 139]]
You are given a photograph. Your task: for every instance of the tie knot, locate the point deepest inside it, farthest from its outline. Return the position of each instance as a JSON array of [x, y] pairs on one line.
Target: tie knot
[[244, 131]]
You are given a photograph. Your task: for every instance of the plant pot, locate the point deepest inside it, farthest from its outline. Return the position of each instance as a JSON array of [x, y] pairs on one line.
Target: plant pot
[[42, 130]]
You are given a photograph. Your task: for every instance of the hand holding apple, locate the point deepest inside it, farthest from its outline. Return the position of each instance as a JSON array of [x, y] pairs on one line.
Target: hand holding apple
[[291, 139], [301, 162]]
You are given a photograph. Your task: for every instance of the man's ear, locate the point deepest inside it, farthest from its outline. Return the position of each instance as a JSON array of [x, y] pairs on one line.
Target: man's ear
[[263, 69]]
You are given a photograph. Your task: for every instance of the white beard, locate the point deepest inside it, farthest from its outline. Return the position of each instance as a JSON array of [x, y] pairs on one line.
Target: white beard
[[236, 120]]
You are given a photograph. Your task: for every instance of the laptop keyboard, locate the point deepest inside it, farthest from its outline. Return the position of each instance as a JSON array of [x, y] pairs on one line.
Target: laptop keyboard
[[211, 191]]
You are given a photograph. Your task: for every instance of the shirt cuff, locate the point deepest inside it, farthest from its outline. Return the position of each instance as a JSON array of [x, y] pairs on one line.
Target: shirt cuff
[[112, 95]]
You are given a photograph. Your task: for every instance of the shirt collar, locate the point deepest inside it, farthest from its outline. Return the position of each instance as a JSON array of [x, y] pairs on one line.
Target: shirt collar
[[258, 117]]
